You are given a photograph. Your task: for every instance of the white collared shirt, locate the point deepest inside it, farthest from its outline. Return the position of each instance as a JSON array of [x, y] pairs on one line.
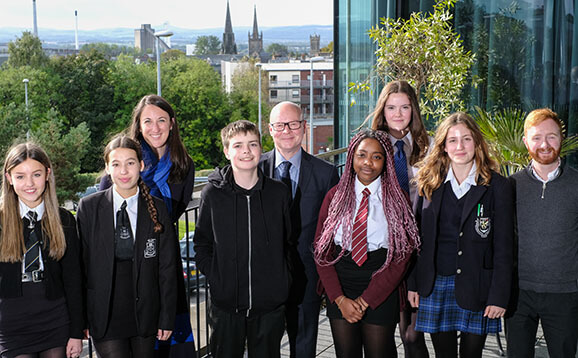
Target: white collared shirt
[[39, 210], [293, 171], [462, 189], [377, 229], [551, 176], [131, 208]]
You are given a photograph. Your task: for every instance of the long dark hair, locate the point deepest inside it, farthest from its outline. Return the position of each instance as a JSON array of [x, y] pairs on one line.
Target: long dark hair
[[123, 141], [403, 235], [179, 157]]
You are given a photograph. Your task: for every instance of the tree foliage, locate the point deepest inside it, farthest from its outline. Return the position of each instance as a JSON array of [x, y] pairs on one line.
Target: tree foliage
[[278, 50], [207, 45], [26, 51], [425, 51], [66, 149], [328, 48]]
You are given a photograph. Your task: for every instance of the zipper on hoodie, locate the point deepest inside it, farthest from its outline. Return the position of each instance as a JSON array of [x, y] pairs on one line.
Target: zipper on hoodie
[[249, 231], [543, 189]]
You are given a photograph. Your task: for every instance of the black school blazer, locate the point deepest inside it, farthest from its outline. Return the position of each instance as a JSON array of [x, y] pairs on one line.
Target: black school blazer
[[485, 246], [153, 267], [62, 277]]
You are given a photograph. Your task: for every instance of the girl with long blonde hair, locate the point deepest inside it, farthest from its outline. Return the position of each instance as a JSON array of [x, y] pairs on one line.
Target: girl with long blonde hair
[[41, 311]]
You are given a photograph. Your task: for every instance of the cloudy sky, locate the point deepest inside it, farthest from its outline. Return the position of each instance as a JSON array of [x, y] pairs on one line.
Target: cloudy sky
[[192, 14]]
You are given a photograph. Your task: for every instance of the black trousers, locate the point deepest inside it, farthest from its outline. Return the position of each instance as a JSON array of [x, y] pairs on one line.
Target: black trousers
[[262, 333], [558, 314]]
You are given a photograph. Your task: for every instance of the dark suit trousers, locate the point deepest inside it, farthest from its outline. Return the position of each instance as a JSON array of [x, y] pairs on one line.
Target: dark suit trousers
[[303, 319], [262, 333], [558, 313]]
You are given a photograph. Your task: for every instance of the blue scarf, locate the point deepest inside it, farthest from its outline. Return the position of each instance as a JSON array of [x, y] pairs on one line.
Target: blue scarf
[[156, 174]]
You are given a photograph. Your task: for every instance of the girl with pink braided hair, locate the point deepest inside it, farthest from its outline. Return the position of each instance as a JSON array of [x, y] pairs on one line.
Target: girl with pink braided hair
[[366, 234]]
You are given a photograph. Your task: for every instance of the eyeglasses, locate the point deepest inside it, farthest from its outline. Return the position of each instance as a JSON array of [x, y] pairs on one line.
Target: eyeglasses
[[280, 126]]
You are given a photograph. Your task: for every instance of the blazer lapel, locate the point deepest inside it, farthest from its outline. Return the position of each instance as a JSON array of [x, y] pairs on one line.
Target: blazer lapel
[[269, 164], [305, 171], [143, 229], [106, 207], [472, 198]]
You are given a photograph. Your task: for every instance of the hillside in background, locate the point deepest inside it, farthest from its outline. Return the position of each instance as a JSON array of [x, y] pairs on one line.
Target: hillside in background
[[290, 35]]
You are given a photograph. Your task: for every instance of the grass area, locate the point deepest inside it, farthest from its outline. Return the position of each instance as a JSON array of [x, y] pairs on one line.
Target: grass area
[[183, 229]]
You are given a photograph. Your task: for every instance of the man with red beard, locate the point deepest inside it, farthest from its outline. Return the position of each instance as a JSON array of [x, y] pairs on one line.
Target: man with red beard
[[547, 240]]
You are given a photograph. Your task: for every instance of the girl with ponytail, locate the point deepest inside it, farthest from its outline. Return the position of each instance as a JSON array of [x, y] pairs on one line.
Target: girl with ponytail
[[129, 259], [366, 234]]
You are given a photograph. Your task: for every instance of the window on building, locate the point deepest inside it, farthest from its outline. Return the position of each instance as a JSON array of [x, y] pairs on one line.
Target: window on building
[[295, 93], [273, 78], [295, 79], [273, 93]]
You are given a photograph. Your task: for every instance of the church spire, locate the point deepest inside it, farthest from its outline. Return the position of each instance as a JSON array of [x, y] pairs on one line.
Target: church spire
[[255, 27], [228, 47]]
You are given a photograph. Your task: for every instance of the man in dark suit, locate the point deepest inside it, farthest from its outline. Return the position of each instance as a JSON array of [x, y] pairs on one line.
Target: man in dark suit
[[309, 179]]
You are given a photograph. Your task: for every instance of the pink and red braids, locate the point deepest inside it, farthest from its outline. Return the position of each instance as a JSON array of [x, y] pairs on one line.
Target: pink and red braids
[[403, 232]]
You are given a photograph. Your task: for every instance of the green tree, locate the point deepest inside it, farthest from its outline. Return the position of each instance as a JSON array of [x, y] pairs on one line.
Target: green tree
[[130, 82], [276, 49], [12, 88], [328, 48], [66, 149], [109, 50], [201, 107], [426, 51], [26, 51], [172, 54], [13, 126], [82, 92], [207, 45]]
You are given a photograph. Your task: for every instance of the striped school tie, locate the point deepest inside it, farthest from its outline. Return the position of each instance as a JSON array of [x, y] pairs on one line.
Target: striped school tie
[[400, 162], [359, 242], [32, 257]]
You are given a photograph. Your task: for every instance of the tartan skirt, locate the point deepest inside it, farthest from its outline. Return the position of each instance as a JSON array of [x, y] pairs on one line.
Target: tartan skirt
[[439, 312]]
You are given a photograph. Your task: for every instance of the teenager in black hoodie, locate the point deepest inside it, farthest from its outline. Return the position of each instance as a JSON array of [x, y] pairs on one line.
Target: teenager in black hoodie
[[242, 245]]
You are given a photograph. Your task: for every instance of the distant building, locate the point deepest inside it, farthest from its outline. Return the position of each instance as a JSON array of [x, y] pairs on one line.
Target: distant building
[[315, 45], [255, 39], [229, 47], [291, 82], [144, 39]]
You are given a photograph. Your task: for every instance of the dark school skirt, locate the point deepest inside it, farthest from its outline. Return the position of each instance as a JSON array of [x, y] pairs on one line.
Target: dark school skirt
[[32, 323], [439, 312], [122, 316], [354, 280]]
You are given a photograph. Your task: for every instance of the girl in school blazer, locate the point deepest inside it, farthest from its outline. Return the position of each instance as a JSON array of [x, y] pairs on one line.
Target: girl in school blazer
[[130, 298], [40, 276], [461, 280]]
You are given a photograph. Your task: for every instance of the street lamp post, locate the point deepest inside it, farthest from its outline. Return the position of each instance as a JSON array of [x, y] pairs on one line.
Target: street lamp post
[[259, 65], [25, 81], [158, 35], [311, 60]]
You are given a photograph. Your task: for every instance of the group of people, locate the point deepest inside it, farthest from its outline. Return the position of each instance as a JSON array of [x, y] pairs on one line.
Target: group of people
[[418, 231], [112, 274]]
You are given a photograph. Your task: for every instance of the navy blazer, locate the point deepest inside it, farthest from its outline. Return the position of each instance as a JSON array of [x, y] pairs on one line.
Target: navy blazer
[[154, 265], [485, 245], [316, 177]]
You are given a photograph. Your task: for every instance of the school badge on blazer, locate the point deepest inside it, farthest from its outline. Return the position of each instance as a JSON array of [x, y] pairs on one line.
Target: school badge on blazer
[[150, 248], [483, 226]]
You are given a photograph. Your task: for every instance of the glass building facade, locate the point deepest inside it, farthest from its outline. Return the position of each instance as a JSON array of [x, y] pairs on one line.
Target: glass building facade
[[524, 50]]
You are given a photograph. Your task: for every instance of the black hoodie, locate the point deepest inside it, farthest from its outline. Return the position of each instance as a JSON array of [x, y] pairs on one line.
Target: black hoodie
[[242, 243]]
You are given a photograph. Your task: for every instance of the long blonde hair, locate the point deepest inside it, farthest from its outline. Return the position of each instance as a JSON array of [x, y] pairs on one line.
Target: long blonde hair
[[434, 168], [12, 246]]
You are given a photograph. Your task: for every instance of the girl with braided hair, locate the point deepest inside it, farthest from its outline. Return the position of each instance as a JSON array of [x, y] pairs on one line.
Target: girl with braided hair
[[365, 237], [462, 277], [129, 259]]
